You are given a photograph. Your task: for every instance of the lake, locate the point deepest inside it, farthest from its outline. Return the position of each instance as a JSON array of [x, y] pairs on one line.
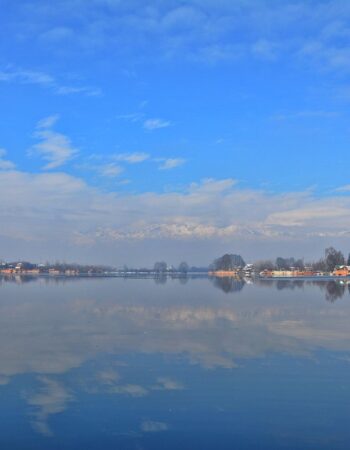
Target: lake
[[189, 363]]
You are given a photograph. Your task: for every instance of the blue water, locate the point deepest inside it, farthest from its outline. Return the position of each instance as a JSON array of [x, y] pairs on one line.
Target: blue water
[[174, 364]]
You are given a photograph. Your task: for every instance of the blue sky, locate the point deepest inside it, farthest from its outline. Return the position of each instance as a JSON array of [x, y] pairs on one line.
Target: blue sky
[[192, 127]]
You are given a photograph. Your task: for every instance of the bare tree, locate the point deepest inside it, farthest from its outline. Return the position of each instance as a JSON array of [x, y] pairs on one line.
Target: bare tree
[[183, 267], [160, 267], [333, 258]]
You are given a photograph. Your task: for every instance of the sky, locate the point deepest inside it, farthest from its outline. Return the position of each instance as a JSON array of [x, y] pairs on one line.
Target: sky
[[133, 131]]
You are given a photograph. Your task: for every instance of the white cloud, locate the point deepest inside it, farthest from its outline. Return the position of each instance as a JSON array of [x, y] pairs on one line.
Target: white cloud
[[88, 91], [4, 163], [206, 31], [150, 426], [69, 214], [54, 147], [110, 170], [108, 377], [302, 216], [27, 77], [132, 117], [168, 384], [46, 81], [133, 390], [51, 399], [199, 30], [48, 122], [170, 163], [148, 124], [132, 158], [155, 124], [213, 186], [345, 188]]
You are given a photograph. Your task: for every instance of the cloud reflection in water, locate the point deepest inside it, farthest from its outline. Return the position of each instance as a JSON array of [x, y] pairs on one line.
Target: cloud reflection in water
[[49, 328]]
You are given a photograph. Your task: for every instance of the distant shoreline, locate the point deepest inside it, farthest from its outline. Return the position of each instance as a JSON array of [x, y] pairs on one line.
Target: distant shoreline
[[189, 275], [106, 275]]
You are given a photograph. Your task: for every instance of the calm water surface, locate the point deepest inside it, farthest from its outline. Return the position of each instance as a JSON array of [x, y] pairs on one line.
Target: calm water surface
[[174, 364]]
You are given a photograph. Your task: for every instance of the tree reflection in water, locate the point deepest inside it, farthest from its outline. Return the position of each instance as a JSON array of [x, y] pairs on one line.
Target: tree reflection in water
[[229, 284], [334, 290], [161, 278]]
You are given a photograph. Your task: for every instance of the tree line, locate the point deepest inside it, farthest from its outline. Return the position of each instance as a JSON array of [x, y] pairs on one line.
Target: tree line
[[163, 268], [227, 262], [327, 263]]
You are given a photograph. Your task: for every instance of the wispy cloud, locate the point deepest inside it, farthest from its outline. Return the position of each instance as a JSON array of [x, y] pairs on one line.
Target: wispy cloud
[[170, 163], [150, 426], [168, 384], [202, 31], [108, 377], [114, 165], [155, 124], [54, 147], [133, 390], [132, 158], [314, 32], [88, 91], [48, 122], [50, 400], [345, 188], [102, 167], [27, 77], [45, 80], [329, 54], [4, 163], [132, 117], [149, 124], [110, 170]]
